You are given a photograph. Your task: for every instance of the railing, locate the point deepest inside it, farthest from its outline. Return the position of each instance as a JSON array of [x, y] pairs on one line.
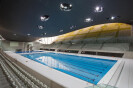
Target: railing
[[28, 80], [10, 77]]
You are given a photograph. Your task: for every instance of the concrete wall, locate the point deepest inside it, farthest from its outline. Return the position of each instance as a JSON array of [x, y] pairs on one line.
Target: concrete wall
[[37, 46], [128, 55], [6, 46], [21, 45]]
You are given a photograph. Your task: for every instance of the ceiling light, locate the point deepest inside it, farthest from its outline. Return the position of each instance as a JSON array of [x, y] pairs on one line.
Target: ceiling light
[[65, 7], [72, 27], [98, 9], [61, 30], [43, 33], [28, 34], [112, 17], [88, 19], [40, 27], [14, 34], [44, 17]]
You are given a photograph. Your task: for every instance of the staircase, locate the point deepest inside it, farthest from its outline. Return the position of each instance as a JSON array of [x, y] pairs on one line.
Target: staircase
[[4, 83], [13, 76]]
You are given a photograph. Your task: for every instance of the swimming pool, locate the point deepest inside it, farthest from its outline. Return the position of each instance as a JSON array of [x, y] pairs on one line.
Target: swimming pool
[[85, 68]]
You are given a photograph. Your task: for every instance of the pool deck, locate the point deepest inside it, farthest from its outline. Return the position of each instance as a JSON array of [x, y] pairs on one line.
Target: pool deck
[[120, 75]]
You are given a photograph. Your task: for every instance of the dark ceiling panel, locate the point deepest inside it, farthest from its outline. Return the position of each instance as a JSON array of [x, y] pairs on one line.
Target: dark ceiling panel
[[16, 37], [22, 17]]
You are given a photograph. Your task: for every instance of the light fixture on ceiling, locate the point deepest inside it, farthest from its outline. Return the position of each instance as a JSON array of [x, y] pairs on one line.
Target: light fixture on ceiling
[[44, 17], [66, 7], [98, 9], [14, 34], [112, 17], [43, 33], [28, 34], [40, 26], [88, 20], [61, 30], [72, 27]]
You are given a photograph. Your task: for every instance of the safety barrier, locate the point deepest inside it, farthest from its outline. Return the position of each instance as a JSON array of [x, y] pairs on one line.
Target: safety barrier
[[28, 80]]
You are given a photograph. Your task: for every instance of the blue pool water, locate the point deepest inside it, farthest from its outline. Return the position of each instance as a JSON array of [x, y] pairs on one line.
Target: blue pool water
[[86, 68], [28, 51]]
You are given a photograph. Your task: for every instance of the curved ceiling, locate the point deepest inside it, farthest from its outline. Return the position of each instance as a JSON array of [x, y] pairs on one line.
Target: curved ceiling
[[21, 17], [96, 32]]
